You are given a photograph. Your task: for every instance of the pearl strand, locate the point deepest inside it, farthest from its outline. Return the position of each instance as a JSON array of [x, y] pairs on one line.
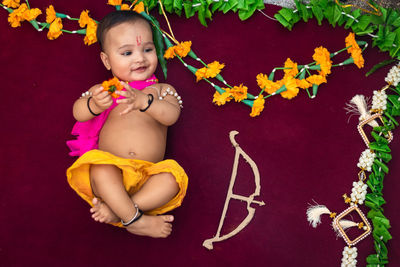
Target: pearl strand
[[379, 100], [168, 91], [366, 160], [349, 257]]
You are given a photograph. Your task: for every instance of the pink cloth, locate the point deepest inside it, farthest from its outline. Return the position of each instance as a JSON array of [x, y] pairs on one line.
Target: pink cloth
[[88, 132]]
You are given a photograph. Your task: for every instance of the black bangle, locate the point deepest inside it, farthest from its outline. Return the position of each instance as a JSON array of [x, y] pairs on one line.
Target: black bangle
[[91, 112], [151, 98]]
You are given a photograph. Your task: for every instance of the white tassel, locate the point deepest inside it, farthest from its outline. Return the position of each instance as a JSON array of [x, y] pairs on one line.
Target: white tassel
[[314, 214], [358, 105], [345, 224]]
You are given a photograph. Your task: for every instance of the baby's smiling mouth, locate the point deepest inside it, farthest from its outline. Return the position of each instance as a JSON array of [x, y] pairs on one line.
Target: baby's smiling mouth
[[139, 69]]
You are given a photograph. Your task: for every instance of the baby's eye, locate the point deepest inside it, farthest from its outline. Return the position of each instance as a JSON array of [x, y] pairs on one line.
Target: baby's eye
[[127, 53], [147, 50]]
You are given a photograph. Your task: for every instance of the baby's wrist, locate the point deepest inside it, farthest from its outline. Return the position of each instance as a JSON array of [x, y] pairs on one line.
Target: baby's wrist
[[93, 108]]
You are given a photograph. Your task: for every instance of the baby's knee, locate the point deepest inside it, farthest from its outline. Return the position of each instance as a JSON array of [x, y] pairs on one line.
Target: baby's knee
[[170, 181]]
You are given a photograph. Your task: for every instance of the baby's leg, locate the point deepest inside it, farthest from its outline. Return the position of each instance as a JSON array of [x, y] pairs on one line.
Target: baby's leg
[[107, 183], [158, 190]]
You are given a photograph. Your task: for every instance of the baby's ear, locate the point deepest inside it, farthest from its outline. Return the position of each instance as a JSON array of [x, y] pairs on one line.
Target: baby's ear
[[105, 60]]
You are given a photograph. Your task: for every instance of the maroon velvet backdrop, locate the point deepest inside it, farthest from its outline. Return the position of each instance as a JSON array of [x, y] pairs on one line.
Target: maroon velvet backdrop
[[305, 149]]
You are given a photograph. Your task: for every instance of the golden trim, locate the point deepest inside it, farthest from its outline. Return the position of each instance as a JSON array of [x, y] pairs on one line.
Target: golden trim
[[366, 232], [362, 133]]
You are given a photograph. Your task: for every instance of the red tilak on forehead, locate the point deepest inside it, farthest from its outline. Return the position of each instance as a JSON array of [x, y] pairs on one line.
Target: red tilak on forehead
[[139, 40]]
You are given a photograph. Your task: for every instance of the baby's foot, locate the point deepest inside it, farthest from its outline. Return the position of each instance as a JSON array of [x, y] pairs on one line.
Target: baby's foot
[[102, 213], [153, 226]]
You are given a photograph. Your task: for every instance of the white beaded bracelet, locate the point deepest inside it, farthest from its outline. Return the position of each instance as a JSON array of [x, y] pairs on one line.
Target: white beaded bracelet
[[168, 91], [87, 93]]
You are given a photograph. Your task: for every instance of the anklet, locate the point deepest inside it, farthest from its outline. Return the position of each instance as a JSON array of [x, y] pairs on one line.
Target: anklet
[[137, 216]]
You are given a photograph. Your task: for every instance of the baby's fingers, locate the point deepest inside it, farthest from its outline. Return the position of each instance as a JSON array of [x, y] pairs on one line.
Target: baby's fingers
[[127, 110], [125, 101], [98, 91]]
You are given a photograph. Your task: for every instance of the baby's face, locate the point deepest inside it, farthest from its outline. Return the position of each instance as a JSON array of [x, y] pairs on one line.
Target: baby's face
[[129, 51]]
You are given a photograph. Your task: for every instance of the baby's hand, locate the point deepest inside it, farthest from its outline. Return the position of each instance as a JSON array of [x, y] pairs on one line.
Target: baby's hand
[[134, 99], [102, 99]]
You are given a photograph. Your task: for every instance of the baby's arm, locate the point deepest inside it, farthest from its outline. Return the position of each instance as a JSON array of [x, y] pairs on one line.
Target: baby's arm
[[98, 101], [165, 111]]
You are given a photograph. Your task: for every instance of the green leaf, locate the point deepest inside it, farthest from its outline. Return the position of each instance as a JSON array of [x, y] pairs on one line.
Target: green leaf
[[381, 221], [202, 15], [394, 100], [319, 15], [381, 165], [355, 14], [243, 14], [216, 5], [283, 21], [379, 147], [375, 198], [379, 139], [381, 232], [386, 157], [379, 65], [160, 48], [189, 10], [286, 13]]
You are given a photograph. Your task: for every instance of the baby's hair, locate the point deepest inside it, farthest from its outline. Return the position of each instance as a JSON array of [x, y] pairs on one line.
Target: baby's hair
[[114, 19]]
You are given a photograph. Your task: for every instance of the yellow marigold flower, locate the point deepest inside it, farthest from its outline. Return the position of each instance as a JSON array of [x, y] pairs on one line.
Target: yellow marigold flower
[[258, 106], [32, 14], [316, 79], [183, 48], [11, 3], [139, 8], [354, 50], [351, 41], [303, 83], [293, 68], [125, 7], [322, 57], [239, 93], [214, 69], [111, 86], [84, 18], [201, 74], [170, 53], [221, 99], [50, 14], [291, 88], [266, 84], [90, 37], [16, 17], [55, 29], [358, 58], [114, 2]]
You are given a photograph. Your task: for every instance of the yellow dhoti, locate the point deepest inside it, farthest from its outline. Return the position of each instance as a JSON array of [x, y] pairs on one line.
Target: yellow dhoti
[[134, 172]]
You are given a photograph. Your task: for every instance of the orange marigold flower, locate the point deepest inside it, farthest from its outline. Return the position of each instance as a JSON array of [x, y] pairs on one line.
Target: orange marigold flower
[[323, 58], [293, 68], [55, 29], [291, 88], [214, 69], [316, 79], [90, 37], [239, 93], [125, 7], [114, 2], [50, 14], [221, 99], [84, 18], [354, 50], [358, 58], [201, 74], [266, 84], [139, 8], [11, 3], [17, 16], [303, 83], [183, 48], [170, 53], [32, 14], [258, 106], [351, 41], [111, 86]]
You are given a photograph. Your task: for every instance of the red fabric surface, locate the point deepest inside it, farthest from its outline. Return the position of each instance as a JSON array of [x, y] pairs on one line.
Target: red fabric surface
[[305, 149]]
